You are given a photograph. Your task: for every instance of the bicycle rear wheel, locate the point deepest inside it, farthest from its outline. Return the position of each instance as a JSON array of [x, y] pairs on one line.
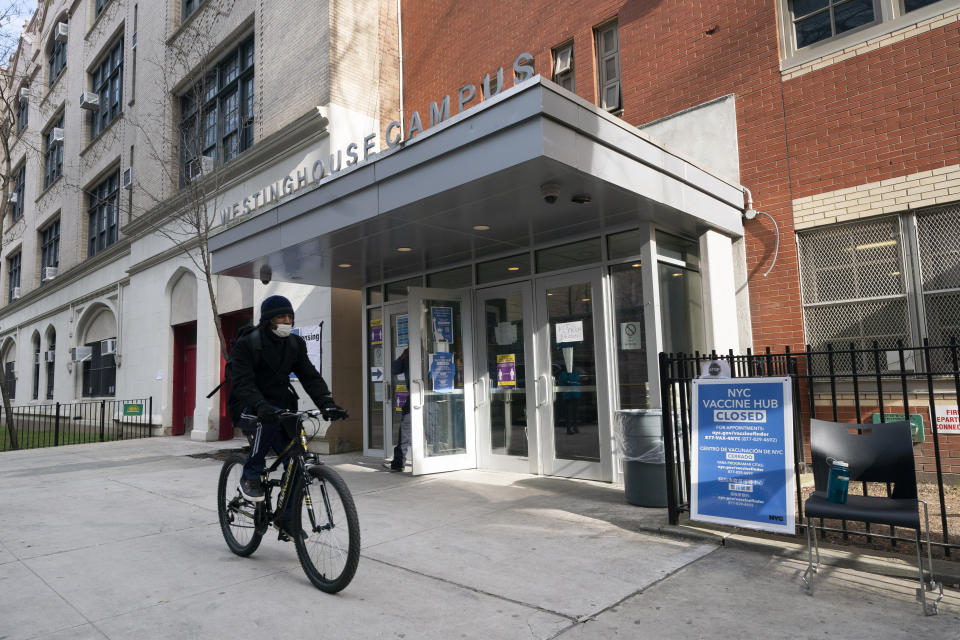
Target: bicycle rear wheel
[[237, 516], [330, 550]]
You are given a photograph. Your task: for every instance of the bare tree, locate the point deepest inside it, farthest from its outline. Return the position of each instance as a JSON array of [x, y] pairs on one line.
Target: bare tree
[[183, 207], [13, 75]]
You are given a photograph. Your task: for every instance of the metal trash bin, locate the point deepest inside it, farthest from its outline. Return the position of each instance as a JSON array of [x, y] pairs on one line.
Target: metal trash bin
[[639, 435]]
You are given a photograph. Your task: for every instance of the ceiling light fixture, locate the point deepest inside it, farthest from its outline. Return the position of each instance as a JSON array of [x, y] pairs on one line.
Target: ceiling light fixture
[[636, 265], [513, 268], [344, 265], [404, 249], [584, 299], [481, 227]]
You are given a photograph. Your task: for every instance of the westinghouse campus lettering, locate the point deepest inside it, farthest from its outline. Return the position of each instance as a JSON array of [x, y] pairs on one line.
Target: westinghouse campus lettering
[[307, 175]]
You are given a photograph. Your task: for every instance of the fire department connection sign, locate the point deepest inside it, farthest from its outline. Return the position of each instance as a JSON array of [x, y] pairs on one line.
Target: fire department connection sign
[[742, 442]]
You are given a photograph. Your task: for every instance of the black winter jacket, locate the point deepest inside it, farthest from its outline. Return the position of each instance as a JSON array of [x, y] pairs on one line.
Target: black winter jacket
[[265, 378]]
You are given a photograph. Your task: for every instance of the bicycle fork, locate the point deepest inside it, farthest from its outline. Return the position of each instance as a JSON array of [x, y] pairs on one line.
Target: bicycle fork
[[309, 502]]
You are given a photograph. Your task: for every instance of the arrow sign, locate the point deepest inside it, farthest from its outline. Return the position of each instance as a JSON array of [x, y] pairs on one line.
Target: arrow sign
[[376, 374]]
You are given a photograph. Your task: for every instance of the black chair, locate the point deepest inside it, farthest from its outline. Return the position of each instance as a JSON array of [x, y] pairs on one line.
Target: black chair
[[875, 453]]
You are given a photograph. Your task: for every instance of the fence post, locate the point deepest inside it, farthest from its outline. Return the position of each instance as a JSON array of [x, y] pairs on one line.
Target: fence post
[[667, 420], [150, 418], [103, 405], [56, 427]]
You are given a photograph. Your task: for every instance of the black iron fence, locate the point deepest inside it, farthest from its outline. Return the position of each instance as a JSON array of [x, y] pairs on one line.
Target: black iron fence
[[51, 425], [855, 385]]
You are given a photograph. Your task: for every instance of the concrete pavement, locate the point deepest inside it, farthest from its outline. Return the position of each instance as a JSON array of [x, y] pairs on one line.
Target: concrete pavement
[[120, 540]]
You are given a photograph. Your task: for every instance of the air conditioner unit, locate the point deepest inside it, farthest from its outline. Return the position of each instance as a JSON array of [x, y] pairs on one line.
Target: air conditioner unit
[[108, 346], [36, 357], [89, 101], [207, 164], [56, 136], [81, 354], [50, 356], [24, 94], [49, 273], [126, 178], [60, 32], [564, 58], [13, 198], [15, 294]]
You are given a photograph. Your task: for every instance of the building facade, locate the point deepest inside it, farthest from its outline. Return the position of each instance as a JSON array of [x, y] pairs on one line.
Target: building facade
[[139, 128]]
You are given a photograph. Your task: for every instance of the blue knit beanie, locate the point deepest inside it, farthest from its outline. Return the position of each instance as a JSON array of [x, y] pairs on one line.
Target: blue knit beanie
[[274, 306]]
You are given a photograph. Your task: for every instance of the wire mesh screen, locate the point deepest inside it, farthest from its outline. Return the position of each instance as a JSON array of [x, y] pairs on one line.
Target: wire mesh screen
[[860, 323], [938, 234], [943, 323], [852, 261]]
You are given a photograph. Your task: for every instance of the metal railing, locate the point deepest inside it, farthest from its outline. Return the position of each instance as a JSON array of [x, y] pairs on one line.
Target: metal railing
[[61, 423], [842, 385]]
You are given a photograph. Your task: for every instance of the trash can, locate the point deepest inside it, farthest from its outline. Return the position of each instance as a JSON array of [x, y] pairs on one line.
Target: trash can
[[640, 440]]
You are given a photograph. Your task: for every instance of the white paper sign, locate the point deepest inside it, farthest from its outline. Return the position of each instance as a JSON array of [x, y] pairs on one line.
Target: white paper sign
[[631, 335], [506, 333], [376, 374], [948, 419], [569, 331], [313, 336]]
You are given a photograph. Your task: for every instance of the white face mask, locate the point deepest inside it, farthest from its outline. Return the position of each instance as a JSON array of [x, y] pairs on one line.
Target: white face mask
[[282, 330]]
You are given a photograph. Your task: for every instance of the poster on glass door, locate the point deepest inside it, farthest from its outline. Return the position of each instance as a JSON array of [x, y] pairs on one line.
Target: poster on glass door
[[441, 372], [442, 321]]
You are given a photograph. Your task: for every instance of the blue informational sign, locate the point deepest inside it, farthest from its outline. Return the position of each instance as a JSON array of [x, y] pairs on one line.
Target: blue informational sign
[[742, 442], [442, 319], [402, 332], [441, 372]]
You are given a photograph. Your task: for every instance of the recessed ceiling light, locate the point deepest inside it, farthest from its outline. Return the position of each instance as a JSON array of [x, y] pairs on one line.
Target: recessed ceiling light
[[636, 265], [513, 268], [584, 299], [677, 275], [481, 227], [404, 249], [549, 294], [344, 265]]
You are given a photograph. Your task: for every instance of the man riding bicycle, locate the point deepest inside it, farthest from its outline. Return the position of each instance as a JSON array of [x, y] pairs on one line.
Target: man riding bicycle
[[260, 365]]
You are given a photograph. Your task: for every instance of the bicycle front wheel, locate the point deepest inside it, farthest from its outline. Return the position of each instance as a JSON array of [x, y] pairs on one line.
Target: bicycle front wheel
[[237, 516], [330, 550]]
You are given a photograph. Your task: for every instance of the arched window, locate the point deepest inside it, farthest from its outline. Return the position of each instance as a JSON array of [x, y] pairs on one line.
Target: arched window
[[100, 369], [36, 366], [49, 358]]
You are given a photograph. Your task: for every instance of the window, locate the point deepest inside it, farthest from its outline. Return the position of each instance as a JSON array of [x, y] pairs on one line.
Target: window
[[608, 63], [107, 80], [938, 241], [99, 373], [99, 5], [104, 200], [13, 277], [910, 5], [23, 111], [216, 115], [681, 294], [51, 349], [53, 152], [563, 66], [10, 371], [188, 7], [19, 180], [816, 20], [58, 58], [633, 375], [49, 249], [36, 368]]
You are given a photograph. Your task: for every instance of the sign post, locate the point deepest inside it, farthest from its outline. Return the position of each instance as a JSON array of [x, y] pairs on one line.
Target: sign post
[[742, 469]]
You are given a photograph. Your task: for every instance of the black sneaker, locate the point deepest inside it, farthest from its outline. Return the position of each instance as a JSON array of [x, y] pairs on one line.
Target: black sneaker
[[394, 465], [286, 527], [251, 490]]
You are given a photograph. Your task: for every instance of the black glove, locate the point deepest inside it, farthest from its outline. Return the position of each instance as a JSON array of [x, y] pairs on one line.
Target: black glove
[[332, 412], [267, 412]]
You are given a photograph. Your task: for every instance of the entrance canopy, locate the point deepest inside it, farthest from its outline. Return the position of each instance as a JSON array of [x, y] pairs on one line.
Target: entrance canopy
[[489, 166]]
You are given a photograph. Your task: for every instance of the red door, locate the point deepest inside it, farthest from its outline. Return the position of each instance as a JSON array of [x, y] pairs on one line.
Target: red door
[[184, 377], [230, 323]]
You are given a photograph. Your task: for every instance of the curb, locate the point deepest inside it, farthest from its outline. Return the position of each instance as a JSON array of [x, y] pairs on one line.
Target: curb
[[895, 566]]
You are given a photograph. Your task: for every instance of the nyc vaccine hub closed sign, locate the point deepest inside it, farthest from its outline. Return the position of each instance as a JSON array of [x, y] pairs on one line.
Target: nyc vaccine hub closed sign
[[742, 470]]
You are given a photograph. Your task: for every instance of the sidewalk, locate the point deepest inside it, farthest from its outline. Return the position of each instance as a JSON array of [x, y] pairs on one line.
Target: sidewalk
[[120, 540]]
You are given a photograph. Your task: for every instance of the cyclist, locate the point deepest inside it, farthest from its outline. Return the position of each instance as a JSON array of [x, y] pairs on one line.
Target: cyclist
[[260, 365]]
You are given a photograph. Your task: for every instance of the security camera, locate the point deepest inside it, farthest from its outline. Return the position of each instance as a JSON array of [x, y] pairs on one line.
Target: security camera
[[550, 192], [265, 274]]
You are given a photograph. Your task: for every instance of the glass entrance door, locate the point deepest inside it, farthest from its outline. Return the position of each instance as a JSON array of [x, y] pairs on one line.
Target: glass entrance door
[[387, 392], [573, 404], [505, 379], [441, 380]]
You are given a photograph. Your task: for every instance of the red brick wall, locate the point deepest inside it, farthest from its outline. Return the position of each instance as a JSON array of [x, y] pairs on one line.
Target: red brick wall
[[887, 113]]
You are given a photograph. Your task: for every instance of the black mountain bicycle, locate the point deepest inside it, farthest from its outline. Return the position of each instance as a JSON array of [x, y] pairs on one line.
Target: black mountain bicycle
[[329, 544]]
